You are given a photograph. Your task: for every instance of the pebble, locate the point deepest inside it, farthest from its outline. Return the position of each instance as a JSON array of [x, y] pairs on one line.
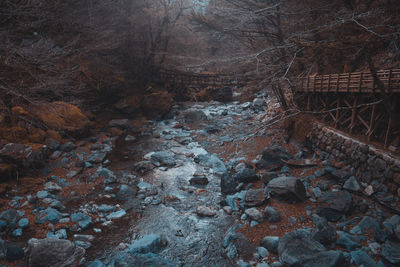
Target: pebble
[[116, 214]]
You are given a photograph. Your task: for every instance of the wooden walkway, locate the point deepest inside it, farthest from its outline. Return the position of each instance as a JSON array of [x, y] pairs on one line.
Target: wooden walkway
[[354, 103], [355, 82]]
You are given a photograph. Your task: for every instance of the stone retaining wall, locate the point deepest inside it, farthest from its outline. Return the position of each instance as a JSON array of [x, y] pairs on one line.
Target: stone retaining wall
[[368, 163]]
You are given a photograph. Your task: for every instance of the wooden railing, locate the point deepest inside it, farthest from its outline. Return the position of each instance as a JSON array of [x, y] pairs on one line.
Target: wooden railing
[[355, 82]]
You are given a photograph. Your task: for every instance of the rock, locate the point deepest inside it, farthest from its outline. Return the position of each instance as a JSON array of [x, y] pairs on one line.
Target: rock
[[288, 188], [228, 184], [130, 138], [258, 102], [95, 263], [61, 116], [14, 252], [270, 243], [163, 158], [157, 103], [254, 214], [48, 215], [224, 94], [42, 194], [129, 104], [255, 197], [52, 187], [198, 180], [24, 156], [107, 174], [143, 166], [348, 241], [59, 234], [17, 232], [352, 184], [272, 157], [205, 211], [324, 233], [369, 190], [126, 192], [11, 217], [55, 155], [106, 208], [148, 243], [23, 223], [333, 205], [272, 215], [68, 147], [245, 175], [96, 157], [391, 252], [361, 258], [298, 249], [116, 214], [212, 161], [193, 116], [57, 252], [84, 221], [120, 123], [368, 225]]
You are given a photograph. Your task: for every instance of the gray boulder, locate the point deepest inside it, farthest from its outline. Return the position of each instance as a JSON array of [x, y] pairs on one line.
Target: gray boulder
[[288, 188], [53, 252]]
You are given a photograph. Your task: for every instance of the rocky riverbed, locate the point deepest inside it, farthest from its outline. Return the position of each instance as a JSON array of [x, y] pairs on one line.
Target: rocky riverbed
[[209, 186]]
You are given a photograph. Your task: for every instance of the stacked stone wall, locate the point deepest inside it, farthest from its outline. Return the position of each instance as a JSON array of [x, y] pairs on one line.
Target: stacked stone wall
[[369, 164]]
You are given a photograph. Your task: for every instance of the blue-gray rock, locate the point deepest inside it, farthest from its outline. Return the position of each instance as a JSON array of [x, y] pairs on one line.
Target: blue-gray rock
[[333, 205], [288, 188], [262, 252], [245, 175], [59, 234], [347, 241], [231, 251], [228, 184], [163, 158], [116, 214], [148, 243], [366, 225], [14, 251], [83, 244], [212, 161], [126, 192], [96, 157], [360, 257], [324, 233], [272, 215], [17, 232], [11, 217], [42, 194], [317, 192], [391, 252], [67, 147], [84, 221], [242, 263], [107, 174], [23, 223], [270, 243], [299, 249], [193, 115], [254, 214], [48, 215], [352, 184], [95, 263], [272, 157], [106, 208], [56, 252], [255, 197]]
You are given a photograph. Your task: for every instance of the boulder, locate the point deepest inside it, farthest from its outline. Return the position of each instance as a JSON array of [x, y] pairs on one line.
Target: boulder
[[299, 249], [255, 197], [288, 188], [158, 103], [228, 184], [61, 116], [272, 157], [324, 233], [194, 115], [361, 258], [272, 215], [352, 184], [24, 156], [129, 104], [53, 252], [254, 214], [391, 252], [148, 243], [270, 243], [245, 175], [333, 205], [204, 211]]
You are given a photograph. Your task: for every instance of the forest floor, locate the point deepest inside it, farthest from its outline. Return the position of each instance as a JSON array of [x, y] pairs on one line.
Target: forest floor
[[208, 186]]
